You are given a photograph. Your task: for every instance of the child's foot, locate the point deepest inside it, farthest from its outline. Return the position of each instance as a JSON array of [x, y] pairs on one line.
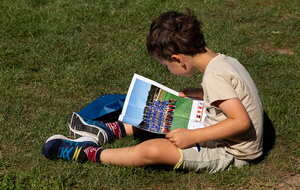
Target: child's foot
[[79, 126], [59, 146]]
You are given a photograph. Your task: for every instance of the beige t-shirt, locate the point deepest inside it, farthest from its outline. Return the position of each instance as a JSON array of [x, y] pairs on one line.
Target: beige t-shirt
[[225, 78]]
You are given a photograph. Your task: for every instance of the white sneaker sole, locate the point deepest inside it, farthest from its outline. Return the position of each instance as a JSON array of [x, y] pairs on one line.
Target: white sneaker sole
[[81, 139], [77, 127]]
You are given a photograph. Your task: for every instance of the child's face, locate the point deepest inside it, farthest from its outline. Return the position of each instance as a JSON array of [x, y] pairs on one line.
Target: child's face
[[178, 69]]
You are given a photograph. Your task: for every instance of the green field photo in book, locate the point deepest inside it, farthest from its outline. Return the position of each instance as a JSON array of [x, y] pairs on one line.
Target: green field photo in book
[[153, 107]]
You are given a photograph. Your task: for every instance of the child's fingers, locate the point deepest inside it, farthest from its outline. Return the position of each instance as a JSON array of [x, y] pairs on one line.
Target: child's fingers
[[171, 134], [183, 92], [191, 92]]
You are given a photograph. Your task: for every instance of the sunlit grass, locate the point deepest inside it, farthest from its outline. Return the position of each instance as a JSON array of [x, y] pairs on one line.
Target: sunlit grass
[[58, 56]]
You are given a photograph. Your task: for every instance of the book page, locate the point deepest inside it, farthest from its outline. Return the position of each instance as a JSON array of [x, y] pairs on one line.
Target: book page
[[156, 108]]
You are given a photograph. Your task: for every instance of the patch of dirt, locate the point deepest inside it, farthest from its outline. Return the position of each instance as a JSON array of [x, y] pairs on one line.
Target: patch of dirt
[[279, 50], [285, 51], [292, 183]]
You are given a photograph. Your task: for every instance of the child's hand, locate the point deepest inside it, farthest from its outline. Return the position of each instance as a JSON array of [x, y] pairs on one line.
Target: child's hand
[[180, 137], [191, 92]]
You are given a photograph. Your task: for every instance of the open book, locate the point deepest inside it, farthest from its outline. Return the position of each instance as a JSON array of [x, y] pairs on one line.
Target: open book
[[153, 107]]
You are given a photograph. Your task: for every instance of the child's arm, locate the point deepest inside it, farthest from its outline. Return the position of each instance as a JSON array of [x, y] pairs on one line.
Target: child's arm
[[192, 92], [237, 121]]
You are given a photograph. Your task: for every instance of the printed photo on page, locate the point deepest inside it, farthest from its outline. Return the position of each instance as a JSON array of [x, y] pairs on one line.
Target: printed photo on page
[[153, 107]]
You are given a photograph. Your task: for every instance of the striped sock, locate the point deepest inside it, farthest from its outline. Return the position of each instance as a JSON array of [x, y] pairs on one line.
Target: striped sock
[[93, 153], [117, 128]]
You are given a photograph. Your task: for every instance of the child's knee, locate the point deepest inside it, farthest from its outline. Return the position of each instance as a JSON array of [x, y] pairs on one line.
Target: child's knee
[[150, 152], [154, 149]]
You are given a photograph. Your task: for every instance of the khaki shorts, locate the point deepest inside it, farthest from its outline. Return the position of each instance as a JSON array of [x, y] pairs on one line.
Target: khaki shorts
[[210, 158]]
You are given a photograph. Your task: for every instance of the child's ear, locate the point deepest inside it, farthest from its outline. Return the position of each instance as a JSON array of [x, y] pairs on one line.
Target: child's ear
[[177, 58], [174, 58]]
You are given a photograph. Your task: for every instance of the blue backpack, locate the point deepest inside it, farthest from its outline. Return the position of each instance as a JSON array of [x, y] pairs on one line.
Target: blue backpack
[[106, 107]]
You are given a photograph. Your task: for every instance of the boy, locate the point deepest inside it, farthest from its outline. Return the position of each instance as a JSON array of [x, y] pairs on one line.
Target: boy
[[233, 132]]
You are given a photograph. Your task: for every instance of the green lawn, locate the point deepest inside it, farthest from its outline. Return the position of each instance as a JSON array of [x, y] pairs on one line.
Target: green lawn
[[57, 56]]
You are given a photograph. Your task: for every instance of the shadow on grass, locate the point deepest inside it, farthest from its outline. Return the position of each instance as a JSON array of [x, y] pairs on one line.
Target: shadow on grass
[[268, 141]]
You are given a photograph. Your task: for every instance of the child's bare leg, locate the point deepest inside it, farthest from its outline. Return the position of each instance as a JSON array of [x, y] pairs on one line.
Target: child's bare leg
[[130, 130], [154, 151]]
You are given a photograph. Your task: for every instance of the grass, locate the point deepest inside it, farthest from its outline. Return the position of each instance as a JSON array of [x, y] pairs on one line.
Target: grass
[[58, 56]]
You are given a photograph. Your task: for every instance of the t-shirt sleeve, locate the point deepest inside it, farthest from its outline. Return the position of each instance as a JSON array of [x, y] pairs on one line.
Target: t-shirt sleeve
[[219, 87]]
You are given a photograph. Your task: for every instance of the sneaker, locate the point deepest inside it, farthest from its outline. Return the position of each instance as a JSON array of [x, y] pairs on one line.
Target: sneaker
[[79, 126], [59, 146]]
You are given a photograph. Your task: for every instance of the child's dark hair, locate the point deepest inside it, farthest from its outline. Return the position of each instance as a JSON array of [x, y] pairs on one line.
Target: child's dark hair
[[175, 33]]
